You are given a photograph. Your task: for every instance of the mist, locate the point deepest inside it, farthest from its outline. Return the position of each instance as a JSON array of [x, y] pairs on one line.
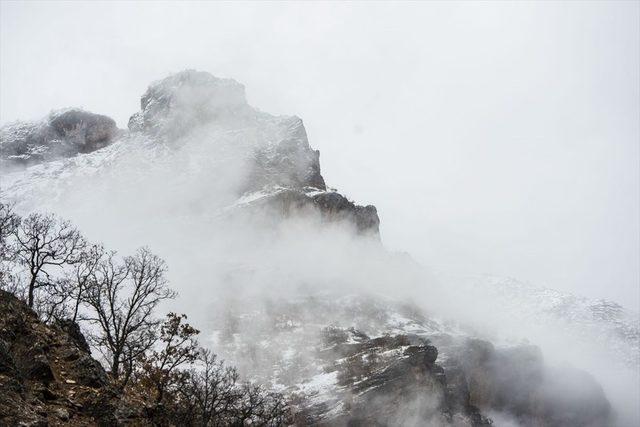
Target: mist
[[497, 138]]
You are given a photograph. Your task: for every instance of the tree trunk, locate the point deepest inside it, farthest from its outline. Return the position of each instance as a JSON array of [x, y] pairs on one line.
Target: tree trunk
[[32, 285], [77, 305], [115, 367]]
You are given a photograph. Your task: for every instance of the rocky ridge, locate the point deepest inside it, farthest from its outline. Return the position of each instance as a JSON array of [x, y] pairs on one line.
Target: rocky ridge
[[356, 360], [189, 110]]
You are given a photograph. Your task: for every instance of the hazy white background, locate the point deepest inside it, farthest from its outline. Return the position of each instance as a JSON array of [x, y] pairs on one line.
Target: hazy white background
[[493, 137]]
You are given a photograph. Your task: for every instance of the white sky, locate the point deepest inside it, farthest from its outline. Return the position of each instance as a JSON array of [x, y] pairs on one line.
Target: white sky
[[494, 138]]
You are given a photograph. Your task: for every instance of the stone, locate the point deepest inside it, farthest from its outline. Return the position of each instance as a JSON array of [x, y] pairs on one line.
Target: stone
[[61, 413], [62, 134]]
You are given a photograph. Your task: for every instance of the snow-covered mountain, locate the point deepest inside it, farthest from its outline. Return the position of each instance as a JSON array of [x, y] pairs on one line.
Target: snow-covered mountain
[[615, 329], [191, 123], [290, 277]]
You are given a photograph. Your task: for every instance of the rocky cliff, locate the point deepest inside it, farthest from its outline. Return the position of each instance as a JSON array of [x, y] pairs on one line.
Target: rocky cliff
[[358, 360], [48, 376]]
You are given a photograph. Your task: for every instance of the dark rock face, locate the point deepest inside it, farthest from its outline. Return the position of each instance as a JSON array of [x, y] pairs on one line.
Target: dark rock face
[[517, 382], [73, 329], [396, 380], [47, 375], [392, 380], [336, 206], [291, 163], [62, 134], [391, 364], [328, 206]]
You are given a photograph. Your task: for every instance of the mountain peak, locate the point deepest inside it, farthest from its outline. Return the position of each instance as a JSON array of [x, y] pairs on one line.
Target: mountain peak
[[185, 99]]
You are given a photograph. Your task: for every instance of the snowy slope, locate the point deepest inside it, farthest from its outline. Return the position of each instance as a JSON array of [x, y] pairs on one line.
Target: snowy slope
[[605, 324]]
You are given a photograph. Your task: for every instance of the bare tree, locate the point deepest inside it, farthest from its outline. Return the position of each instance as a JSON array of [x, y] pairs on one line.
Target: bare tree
[[82, 277], [52, 303], [213, 396], [9, 222], [177, 346], [259, 406], [65, 295], [212, 390], [45, 243], [122, 299]]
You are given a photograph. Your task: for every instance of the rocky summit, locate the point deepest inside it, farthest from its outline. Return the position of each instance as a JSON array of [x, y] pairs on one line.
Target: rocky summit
[[267, 159]]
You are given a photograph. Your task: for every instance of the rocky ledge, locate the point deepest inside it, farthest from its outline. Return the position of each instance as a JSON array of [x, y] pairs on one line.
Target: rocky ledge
[[311, 203]]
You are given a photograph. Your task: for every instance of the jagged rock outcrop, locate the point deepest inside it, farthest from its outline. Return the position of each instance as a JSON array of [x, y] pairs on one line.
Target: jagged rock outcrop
[[48, 377], [393, 380], [283, 167], [388, 379], [334, 205], [384, 363], [63, 133], [195, 104], [328, 206], [290, 163]]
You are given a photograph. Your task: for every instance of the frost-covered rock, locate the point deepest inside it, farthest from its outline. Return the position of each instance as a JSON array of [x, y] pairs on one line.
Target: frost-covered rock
[[327, 206], [182, 101], [190, 122], [63, 133], [290, 163], [606, 325], [362, 360], [194, 104]]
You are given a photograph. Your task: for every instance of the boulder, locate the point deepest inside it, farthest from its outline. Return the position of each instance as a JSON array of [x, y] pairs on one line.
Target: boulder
[[62, 134]]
